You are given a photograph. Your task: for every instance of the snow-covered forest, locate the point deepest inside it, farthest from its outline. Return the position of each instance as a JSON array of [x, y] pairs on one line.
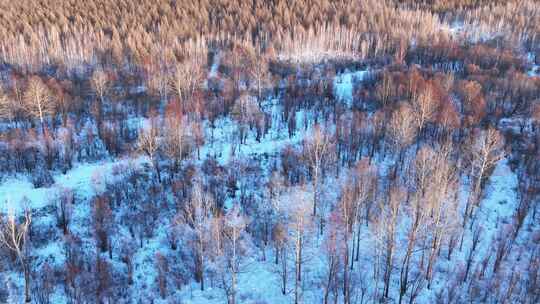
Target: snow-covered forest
[[307, 151]]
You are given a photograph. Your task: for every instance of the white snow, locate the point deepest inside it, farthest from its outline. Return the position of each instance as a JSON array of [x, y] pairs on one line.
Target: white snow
[[535, 68], [80, 179], [258, 283], [215, 66], [534, 71], [344, 85]]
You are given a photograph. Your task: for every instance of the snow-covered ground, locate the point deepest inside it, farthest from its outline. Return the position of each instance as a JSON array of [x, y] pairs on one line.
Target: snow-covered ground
[[344, 85], [87, 178], [15, 190], [535, 68], [258, 282]]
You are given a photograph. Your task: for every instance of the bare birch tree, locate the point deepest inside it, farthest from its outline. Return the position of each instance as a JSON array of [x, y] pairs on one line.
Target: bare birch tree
[[197, 214], [100, 84], [187, 76], [301, 222], [234, 250], [39, 102], [402, 128], [422, 171], [9, 107], [386, 232], [175, 140], [64, 202], [442, 207], [14, 237], [280, 239], [365, 180], [247, 113], [259, 71], [318, 149], [150, 145], [424, 107], [485, 150]]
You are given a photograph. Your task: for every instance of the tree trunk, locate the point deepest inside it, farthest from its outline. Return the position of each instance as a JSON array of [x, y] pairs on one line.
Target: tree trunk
[[284, 272], [346, 297], [26, 271], [315, 191]]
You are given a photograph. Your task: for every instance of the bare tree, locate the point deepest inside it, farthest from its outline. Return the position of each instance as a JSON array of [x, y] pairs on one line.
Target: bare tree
[[39, 102], [502, 243], [43, 280], [318, 150], [73, 265], [335, 249], [294, 233], [386, 232], [472, 251], [343, 223], [64, 99], [442, 207], [247, 113], [385, 88], [103, 221], [6, 109], [259, 71], [157, 80], [402, 128], [198, 135], [127, 250], [186, 78], [485, 150], [100, 83], [234, 250], [473, 100], [67, 146], [14, 237], [9, 107], [280, 240], [64, 208], [424, 107], [300, 224], [197, 215], [365, 180], [103, 280], [176, 140], [150, 145], [162, 266], [423, 170]]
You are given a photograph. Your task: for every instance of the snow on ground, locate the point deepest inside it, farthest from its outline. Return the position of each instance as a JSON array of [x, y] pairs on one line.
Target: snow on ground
[[259, 283], [138, 89], [13, 190], [344, 84], [84, 180], [501, 199], [215, 66], [499, 203], [470, 30], [534, 71], [222, 143], [80, 179], [535, 68]]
